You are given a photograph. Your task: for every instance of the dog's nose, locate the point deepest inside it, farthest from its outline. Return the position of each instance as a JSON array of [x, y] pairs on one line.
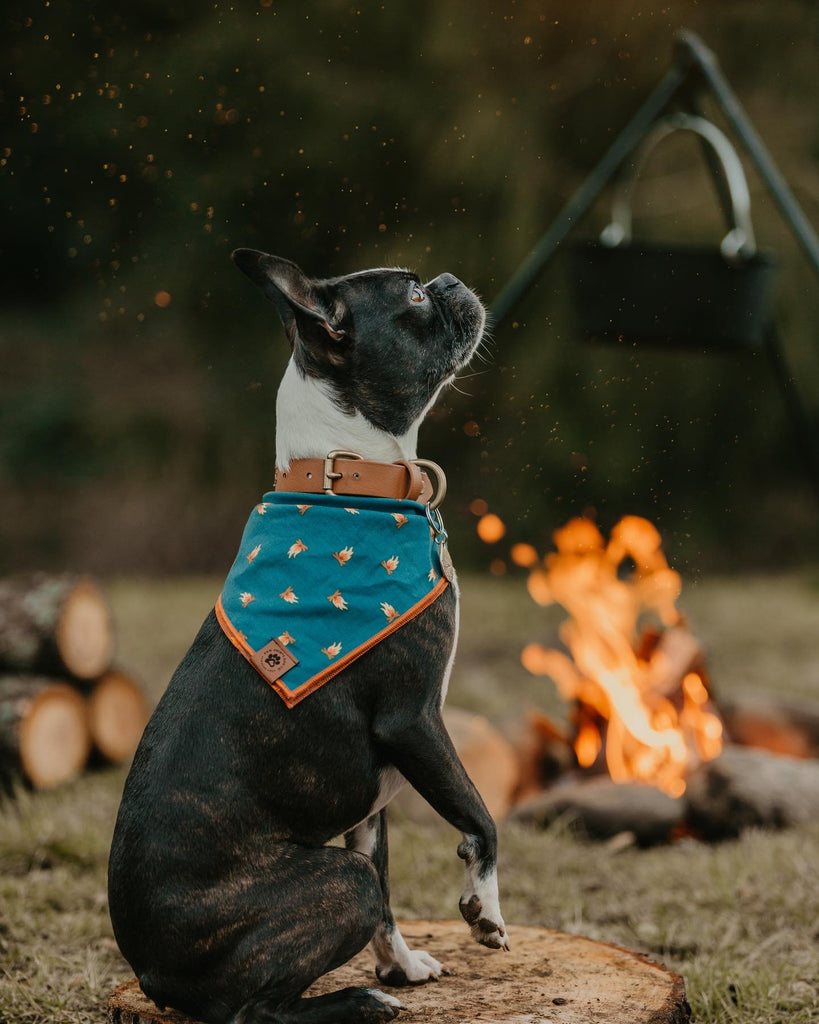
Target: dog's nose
[[444, 281]]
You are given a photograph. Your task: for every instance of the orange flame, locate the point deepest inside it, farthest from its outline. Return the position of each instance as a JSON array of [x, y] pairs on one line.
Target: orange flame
[[652, 733]]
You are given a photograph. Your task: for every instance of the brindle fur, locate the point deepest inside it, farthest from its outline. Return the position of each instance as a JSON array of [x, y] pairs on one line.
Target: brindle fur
[[223, 895]]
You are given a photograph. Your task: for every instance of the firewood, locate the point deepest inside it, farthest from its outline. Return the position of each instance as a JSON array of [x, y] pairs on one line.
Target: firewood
[[600, 809], [55, 625], [490, 761], [489, 758], [676, 653], [776, 724], [746, 788], [43, 731], [117, 713], [550, 976], [543, 749]]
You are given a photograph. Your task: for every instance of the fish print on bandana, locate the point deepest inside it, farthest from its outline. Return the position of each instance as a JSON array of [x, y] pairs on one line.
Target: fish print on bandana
[[314, 586]]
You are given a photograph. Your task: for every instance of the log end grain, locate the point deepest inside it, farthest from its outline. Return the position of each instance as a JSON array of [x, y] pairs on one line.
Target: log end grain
[[117, 714], [54, 742], [548, 976], [84, 633]]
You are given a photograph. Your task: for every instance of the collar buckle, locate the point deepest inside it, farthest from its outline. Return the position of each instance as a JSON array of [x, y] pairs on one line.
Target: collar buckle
[[330, 473]]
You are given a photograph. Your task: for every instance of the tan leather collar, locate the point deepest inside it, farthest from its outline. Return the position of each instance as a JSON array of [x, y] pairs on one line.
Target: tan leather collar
[[346, 473]]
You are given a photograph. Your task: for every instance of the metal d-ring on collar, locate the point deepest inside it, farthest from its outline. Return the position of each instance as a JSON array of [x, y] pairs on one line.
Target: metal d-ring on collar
[[434, 517], [440, 481]]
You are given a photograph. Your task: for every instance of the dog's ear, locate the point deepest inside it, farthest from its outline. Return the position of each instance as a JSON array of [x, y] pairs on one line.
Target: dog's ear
[[298, 302]]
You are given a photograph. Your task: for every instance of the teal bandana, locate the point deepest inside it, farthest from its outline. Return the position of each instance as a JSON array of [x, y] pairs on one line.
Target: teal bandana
[[320, 579]]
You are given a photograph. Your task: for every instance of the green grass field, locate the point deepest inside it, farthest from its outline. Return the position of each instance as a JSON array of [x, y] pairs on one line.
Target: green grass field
[[739, 920]]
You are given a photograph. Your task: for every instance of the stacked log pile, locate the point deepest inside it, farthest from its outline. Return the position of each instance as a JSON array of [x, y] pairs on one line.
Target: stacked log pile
[[62, 702]]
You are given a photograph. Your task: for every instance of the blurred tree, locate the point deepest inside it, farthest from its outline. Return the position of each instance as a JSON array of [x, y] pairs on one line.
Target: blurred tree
[[140, 143]]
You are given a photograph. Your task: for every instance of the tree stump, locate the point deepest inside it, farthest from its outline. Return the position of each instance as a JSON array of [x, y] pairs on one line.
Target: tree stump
[[55, 625], [43, 730], [548, 977], [117, 714]]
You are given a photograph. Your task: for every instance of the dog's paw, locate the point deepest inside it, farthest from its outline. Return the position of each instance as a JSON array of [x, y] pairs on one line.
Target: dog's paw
[[485, 924], [376, 1007], [416, 968], [385, 997]]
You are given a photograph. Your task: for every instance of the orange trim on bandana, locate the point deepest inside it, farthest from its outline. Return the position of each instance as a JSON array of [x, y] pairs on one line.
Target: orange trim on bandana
[[292, 697]]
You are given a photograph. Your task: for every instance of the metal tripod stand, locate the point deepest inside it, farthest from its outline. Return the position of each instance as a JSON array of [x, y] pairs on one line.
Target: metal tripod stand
[[693, 70]]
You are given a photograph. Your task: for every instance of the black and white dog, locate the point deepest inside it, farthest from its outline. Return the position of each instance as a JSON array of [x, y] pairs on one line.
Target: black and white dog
[[224, 897]]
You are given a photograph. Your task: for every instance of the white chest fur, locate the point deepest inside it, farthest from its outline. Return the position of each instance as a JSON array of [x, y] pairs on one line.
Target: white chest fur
[[309, 424]]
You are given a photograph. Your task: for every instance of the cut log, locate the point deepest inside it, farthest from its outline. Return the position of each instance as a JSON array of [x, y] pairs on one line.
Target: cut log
[[490, 761], [43, 730], [543, 749], [776, 724], [601, 809], [747, 788], [549, 976], [55, 625], [117, 714]]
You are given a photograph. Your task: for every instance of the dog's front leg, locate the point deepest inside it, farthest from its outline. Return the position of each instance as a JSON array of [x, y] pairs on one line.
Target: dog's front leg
[[395, 962], [423, 752]]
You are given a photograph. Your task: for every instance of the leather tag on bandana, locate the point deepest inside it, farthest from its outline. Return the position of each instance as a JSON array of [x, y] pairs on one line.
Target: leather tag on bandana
[[273, 660]]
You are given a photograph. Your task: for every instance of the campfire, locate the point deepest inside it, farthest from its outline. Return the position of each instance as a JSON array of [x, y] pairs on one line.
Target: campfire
[[648, 752], [635, 674]]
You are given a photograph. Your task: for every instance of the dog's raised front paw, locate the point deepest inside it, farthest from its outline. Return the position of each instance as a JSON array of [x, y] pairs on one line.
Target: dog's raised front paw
[[485, 924], [416, 968]]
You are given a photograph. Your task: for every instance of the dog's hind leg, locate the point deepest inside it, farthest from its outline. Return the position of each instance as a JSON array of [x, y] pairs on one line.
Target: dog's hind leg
[[346, 1006], [246, 947], [329, 906], [395, 963]]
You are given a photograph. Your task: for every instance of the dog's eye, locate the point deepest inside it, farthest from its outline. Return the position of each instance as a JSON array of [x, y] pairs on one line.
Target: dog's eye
[[418, 294]]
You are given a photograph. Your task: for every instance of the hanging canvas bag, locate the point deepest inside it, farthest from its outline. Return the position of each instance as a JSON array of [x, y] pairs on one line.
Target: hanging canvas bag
[[703, 297]]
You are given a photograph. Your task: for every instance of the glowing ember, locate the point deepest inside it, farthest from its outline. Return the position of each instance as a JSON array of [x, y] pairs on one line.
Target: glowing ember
[[633, 665], [524, 555], [491, 528]]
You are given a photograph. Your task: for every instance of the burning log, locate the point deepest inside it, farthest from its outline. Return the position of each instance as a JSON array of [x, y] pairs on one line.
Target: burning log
[[43, 731], [636, 674], [565, 979], [781, 726], [745, 788], [601, 809], [55, 625], [543, 749]]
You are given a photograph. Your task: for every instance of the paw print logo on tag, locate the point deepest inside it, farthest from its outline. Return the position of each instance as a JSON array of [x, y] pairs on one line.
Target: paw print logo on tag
[[273, 660]]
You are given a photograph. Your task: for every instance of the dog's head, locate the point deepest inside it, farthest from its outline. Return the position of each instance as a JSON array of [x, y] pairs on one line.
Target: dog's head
[[380, 342]]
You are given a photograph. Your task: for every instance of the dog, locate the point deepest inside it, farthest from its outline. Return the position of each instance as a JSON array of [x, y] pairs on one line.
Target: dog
[[224, 897]]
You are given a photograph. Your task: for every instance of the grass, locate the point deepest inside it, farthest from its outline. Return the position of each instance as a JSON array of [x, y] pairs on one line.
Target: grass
[[739, 920]]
